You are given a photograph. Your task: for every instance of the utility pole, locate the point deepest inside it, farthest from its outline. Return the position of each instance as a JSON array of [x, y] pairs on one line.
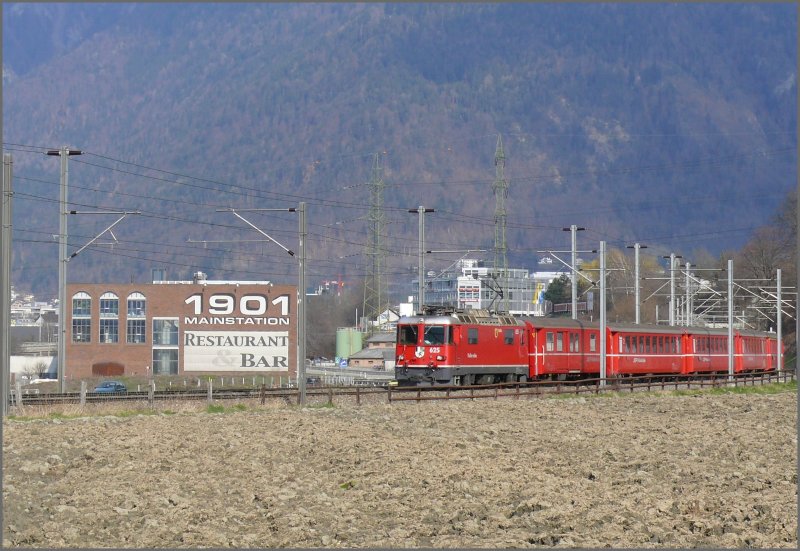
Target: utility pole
[[301, 285], [603, 371], [301, 307], [5, 280], [421, 256], [778, 323], [730, 319], [636, 286], [688, 312], [573, 229], [65, 152], [500, 188], [672, 258]]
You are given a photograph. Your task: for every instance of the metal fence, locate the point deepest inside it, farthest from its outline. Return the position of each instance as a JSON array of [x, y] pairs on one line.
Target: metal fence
[[321, 394]]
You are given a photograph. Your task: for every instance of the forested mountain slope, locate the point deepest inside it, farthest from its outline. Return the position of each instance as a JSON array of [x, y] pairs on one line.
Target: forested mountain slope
[[673, 125]]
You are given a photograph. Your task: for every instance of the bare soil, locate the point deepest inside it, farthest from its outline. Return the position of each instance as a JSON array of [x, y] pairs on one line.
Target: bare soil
[[632, 471]]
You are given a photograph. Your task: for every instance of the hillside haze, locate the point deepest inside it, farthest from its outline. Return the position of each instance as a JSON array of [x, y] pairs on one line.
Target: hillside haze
[[672, 125]]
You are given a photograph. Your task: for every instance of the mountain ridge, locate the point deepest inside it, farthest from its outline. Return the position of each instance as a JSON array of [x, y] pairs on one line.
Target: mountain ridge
[[609, 119]]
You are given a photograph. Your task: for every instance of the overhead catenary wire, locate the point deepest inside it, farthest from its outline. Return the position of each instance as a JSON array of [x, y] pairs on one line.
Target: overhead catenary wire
[[249, 192]]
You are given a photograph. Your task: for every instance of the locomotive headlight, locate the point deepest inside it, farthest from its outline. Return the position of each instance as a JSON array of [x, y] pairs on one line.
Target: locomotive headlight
[[440, 358], [401, 357]]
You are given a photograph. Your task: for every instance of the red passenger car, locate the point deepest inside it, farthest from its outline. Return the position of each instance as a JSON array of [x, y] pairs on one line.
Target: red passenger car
[[645, 350], [706, 350], [563, 348], [755, 352]]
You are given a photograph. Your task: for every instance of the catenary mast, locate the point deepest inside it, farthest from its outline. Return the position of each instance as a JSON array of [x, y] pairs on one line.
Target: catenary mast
[[500, 188], [375, 295]]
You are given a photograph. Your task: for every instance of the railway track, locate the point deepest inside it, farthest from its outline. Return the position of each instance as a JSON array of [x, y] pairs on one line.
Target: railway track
[[317, 394]]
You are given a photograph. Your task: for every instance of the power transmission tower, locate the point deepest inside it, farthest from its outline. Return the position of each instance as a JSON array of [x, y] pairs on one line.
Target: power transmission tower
[[375, 296], [500, 188]]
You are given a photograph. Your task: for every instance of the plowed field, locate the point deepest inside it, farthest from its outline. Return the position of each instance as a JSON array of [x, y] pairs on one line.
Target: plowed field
[[632, 471]]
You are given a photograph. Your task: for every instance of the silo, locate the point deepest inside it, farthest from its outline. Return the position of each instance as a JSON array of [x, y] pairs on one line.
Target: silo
[[348, 342]]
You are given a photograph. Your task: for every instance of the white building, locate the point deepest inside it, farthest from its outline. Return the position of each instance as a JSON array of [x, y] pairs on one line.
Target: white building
[[470, 284]]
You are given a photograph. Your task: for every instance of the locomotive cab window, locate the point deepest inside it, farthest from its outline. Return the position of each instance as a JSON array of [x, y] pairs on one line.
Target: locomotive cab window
[[407, 334], [436, 334]]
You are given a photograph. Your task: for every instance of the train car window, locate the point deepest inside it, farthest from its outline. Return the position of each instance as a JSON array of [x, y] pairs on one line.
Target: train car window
[[508, 336], [407, 334], [577, 338], [472, 335], [559, 342], [660, 341], [549, 341], [435, 334], [627, 344], [592, 342], [647, 344]]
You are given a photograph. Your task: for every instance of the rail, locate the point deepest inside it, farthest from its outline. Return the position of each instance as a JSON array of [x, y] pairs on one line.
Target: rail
[[358, 393]]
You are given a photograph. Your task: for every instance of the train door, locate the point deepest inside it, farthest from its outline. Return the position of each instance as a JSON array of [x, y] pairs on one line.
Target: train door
[[615, 348], [522, 350], [594, 352], [457, 343], [555, 354], [738, 352], [550, 355], [683, 344]]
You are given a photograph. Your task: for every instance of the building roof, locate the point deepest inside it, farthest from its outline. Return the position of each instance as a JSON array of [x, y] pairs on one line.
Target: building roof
[[383, 336], [383, 354]]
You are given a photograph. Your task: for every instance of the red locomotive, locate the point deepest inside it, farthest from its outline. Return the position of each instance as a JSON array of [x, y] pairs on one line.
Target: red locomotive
[[478, 347]]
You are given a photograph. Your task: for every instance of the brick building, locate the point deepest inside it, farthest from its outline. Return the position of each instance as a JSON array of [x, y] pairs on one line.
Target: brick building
[[180, 327]]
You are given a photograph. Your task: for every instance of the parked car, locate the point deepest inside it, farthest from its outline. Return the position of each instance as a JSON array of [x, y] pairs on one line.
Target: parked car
[[110, 386]]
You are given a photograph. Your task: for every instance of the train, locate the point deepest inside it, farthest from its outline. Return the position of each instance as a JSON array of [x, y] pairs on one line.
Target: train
[[466, 347]]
